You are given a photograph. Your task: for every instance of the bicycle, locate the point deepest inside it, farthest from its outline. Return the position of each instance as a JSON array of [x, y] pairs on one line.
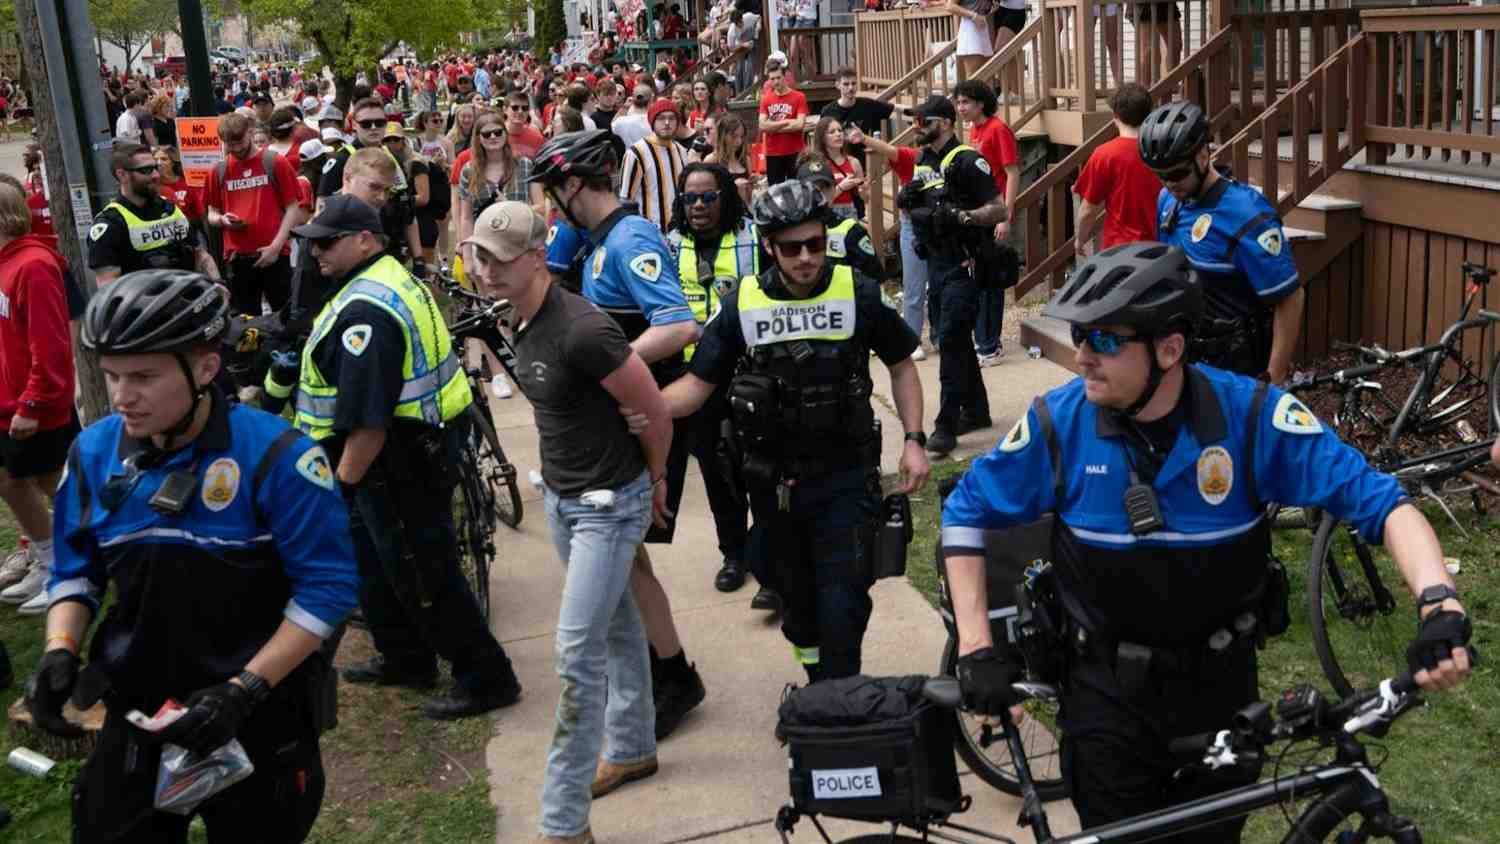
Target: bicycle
[[1340, 790], [488, 489], [1346, 579]]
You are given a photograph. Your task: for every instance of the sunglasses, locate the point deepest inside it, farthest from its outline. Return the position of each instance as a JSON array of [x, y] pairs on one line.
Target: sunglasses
[[520, 108], [492, 133], [145, 169], [1176, 174], [323, 244], [1106, 343], [815, 245], [708, 197], [371, 124]]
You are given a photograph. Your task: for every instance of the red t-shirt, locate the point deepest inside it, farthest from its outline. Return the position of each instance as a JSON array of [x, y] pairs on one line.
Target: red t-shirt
[[247, 193], [905, 163], [841, 173], [189, 199], [304, 192], [525, 142], [41, 214], [1115, 177], [452, 72], [458, 165], [386, 92], [774, 106], [429, 81], [695, 117], [997, 143]]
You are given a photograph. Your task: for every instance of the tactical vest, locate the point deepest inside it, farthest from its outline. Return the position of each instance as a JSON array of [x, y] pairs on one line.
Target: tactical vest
[[932, 180], [803, 351], [434, 388], [838, 240], [704, 298], [158, 244]]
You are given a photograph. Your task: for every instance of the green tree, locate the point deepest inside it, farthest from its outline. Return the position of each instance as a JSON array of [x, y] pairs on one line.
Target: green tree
[[551, 27], [131, 24], [353, 35]]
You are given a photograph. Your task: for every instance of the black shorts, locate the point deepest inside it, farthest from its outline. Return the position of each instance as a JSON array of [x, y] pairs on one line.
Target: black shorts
[[1156, 12], [41, 453], [248, 284], [779, 168], [427, 230], [1011, 19]]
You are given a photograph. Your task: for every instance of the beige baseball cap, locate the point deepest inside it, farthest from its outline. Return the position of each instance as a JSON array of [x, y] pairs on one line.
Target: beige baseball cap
[[508, 229]]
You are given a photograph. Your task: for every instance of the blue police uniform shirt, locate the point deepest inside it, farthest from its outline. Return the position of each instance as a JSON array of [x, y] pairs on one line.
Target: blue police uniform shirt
[[1211, 492], [234, 529], [1233, 237], [631, 275], [565, 246]]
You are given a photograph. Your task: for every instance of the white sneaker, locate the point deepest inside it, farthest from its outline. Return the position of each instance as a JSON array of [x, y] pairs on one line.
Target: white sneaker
[[15, 567], [919, 354], [993, 359], [500, 386], [36, 606], [35, 581]]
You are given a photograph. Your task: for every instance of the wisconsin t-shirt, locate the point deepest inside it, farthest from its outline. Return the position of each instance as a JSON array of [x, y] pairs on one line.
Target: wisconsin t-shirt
[[248, 192], [774, 106]]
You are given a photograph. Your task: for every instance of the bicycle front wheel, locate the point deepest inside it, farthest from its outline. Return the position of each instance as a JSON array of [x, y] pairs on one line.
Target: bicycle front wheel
[[1362, 615], [496, 471], [1495, 397], [993, 763]]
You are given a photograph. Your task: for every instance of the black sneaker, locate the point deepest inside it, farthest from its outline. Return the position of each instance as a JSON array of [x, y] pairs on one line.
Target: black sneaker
[[969, 424], [675, 698], [7, 675], [941, 442], [381, 673], [731, 577], [766, 599], [462, 703]]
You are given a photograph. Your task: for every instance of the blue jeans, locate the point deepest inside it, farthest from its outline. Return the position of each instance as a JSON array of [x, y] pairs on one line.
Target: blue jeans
[[913, 281], [602, 657], [987, 322]]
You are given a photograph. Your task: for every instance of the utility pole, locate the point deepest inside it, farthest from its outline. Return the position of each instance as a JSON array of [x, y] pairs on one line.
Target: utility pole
[[195, 50], [72, 126]]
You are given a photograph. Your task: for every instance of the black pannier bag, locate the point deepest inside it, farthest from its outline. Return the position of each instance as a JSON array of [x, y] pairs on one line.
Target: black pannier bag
[[870, 749]]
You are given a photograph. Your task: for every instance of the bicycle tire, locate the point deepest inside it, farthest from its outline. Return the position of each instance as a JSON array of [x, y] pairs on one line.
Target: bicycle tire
[[1360, 624], [1494, 398], [1325, 816], [498, 471], [473, 522], [992, 764]]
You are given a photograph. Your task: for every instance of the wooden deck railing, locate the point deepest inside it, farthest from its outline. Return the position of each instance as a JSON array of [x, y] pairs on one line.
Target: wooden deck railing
[[1432, 82], [890, 44], [833, 48], [1333, 97]]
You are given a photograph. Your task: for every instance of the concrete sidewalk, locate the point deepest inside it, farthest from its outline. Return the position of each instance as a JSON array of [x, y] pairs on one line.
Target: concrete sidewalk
[[723, 774]]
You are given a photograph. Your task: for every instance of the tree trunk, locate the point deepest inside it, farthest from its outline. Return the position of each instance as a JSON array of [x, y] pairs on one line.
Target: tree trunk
[[343, 89], [94, 399]]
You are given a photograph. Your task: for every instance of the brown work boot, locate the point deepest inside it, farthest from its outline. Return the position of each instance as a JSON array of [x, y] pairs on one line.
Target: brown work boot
[[585, 837], [610, 776]]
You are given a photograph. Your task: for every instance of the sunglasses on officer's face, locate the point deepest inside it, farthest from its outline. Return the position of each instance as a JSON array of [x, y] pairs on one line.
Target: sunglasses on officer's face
[[815, 245], [708, 197], [1176, 174], [323, 244], [145, 169], [1107, 343]]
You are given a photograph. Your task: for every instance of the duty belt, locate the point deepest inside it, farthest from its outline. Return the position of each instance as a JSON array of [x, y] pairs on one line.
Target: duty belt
[[1136, 665]]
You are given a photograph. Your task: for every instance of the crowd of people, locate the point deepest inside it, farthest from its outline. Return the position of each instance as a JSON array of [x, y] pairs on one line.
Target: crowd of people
[[673, 301]]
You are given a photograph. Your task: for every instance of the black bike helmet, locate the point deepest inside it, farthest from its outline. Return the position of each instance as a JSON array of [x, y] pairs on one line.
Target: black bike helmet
[[787, 204], [155, 311], [593, 152], [1172, 134], [1145, 285]]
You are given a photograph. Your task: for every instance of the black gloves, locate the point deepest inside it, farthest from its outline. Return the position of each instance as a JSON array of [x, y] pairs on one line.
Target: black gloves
[[985, 679], [50, 688], [214, 716], [1438, 636]]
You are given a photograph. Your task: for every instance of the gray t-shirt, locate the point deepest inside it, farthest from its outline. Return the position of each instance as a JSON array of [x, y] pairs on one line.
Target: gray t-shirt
[[561, 356]]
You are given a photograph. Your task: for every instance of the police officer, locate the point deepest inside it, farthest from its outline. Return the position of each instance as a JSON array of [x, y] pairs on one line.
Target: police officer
[[1158, 472], [229, 548], [382, 390], [848, 240], [954, 207], [1233, 238], [793, 344], [630, 275], [715, 245], [140, 229], [399, 215]]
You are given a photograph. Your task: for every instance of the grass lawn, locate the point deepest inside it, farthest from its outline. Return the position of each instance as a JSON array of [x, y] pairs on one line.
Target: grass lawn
[[393, 775], [1440, 759]]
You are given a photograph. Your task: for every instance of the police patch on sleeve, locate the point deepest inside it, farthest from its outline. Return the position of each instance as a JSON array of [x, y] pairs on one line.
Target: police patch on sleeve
[[865, 246], [330, 164], [313, 465], [983, 165], [1292, 416], [1019, 436], [647, 265], [551, 234], [1271, 240], [98, 231], [357, 338]]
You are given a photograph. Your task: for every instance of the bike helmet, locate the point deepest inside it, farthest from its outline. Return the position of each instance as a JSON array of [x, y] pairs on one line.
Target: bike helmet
[[1172, 134], [593, 152], [1147, 286], [155, 311], [787, 204]]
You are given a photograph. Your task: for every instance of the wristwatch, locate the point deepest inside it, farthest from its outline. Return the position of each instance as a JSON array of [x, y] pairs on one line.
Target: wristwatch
[[1435, 594], [256, 685], [918, 437]]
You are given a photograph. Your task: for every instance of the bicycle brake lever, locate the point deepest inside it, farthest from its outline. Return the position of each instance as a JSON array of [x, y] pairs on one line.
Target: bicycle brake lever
[[1384, 707]]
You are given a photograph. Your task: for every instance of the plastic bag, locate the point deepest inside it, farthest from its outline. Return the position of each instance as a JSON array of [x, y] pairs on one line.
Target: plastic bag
[[185, 779]]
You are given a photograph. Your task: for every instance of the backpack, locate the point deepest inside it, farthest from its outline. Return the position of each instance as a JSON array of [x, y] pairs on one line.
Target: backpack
[[267, 161]]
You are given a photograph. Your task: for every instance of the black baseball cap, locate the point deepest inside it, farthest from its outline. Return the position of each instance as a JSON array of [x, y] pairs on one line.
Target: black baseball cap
[[342, 214], [936, 106], [814, 171]]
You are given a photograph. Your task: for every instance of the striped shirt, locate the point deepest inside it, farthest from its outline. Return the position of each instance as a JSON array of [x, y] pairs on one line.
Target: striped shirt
[[649, 178]]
